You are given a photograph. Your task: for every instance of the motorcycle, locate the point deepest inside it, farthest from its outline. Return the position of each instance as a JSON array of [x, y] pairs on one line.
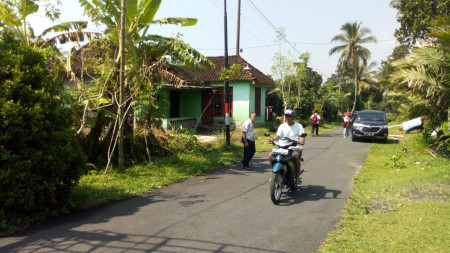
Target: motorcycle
[[283, 171]]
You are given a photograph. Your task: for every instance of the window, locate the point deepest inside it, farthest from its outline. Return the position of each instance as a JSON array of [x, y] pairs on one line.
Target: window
[[174, 103], [219, 104], [258, 101]]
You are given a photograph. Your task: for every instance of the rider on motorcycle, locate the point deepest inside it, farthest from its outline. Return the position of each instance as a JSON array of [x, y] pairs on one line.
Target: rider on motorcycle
[[292, 130]]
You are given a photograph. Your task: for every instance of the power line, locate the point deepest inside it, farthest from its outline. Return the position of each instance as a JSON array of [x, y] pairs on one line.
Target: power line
[[244, 27], [284, 37], [259, 11], [255, 26]]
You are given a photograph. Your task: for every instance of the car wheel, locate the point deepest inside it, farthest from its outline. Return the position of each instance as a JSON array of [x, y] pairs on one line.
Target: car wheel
[[354, 138]]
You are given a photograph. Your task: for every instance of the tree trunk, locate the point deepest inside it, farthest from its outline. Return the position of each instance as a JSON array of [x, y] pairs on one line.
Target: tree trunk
[[356, 90], [91, 143], [339, 98]]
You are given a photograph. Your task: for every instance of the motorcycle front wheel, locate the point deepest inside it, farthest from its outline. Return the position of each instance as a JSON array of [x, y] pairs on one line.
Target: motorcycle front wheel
[[275, 188]]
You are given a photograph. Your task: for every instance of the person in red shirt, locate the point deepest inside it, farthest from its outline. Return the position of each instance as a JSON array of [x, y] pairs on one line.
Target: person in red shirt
[[315, 118]]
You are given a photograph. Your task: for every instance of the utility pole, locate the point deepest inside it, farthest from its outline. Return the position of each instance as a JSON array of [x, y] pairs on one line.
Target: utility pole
[[121, 81], [227, 96], [238, 36]]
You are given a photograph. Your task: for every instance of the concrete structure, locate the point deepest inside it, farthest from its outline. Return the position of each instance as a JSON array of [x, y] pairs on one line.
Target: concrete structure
[[202, 100]]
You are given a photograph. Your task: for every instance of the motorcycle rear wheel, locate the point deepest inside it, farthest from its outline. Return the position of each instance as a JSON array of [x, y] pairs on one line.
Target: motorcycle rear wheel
[[276, 188]]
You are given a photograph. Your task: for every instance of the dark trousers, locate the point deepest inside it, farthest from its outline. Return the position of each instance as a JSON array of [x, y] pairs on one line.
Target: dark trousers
[[249, 152], [315, 126]]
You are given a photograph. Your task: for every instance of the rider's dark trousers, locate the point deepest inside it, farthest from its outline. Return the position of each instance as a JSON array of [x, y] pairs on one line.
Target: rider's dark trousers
[[249, 152], [315, 127]]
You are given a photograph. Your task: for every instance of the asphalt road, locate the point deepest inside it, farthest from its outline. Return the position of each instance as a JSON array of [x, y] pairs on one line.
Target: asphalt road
[[228, 210]]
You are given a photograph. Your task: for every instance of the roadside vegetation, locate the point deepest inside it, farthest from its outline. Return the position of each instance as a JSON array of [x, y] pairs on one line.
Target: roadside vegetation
[[400, 203]]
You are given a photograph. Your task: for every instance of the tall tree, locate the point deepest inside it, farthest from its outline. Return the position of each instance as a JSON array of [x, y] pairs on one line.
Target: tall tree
[[301, 74], [353, 54], [284, 71], [290, 76], [425, 73], [416, 16]]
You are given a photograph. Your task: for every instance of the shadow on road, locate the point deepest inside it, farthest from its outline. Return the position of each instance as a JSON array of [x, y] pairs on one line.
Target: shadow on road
[[70, 238], [107, 241], [308, 193], [389, 141]]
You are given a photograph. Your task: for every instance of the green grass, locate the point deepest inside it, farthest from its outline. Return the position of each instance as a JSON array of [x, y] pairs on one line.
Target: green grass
[[97, 188], [400, 203]]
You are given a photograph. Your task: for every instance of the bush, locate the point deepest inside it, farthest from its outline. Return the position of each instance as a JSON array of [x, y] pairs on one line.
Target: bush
[[40, 158], [441, 141]]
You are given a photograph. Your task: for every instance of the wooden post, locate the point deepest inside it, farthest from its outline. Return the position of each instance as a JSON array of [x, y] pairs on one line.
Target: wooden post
[[121, 82]]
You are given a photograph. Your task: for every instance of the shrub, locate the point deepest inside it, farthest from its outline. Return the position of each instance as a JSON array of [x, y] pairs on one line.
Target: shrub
[[40, 158]]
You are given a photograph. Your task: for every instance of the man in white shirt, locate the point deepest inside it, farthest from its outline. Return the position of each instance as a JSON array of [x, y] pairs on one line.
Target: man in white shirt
[[292, 130], [248, 138]]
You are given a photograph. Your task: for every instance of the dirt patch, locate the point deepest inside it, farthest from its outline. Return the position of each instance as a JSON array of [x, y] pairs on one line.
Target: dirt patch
[[381, 205], [436, 192]]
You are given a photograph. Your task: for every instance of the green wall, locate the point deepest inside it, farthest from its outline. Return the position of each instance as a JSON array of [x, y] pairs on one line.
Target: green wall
[[241, 106], [191, 103], [244, 101]]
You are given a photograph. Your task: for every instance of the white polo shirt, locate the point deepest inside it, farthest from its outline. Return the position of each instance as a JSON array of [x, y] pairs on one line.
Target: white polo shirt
[[292, 132], [247, 127]]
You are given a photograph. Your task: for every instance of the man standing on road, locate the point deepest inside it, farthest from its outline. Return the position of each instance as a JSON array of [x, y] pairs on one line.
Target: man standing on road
[[248, 138], [292, 130], [315, 118]]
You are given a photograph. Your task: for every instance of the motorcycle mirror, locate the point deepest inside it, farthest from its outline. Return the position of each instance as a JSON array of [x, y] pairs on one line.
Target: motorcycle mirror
[[266, 134], [304, 135]]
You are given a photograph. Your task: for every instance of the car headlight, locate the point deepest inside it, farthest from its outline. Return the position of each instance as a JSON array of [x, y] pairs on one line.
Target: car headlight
[[384, 126], [358, 125]]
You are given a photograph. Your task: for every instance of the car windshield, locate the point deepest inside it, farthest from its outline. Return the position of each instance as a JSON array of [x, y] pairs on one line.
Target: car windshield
[[370, 117]]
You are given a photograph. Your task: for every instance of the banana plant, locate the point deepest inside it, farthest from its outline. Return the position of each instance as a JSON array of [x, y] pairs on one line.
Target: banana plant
[[148, 56], [14, 16], [140, 17]]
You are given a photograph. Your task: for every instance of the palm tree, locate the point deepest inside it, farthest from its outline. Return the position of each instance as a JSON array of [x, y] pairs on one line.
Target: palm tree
[[367, 78], [353, 55], [425, 74]]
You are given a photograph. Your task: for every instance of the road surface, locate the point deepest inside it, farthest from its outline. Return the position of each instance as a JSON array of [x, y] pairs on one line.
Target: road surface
[[228, 210]]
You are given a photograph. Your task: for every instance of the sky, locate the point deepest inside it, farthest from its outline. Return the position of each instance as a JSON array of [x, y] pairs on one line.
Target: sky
[[310, 26]]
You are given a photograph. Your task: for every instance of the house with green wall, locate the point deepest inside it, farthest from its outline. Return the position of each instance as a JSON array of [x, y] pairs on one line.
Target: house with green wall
[[201, 99]]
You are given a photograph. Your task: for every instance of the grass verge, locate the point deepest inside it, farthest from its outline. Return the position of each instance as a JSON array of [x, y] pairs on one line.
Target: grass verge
[[97, 188], [400, 203]]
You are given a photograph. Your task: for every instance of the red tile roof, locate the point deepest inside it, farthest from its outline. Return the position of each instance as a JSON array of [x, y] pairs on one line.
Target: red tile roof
[[212, 75], [207, 77]]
